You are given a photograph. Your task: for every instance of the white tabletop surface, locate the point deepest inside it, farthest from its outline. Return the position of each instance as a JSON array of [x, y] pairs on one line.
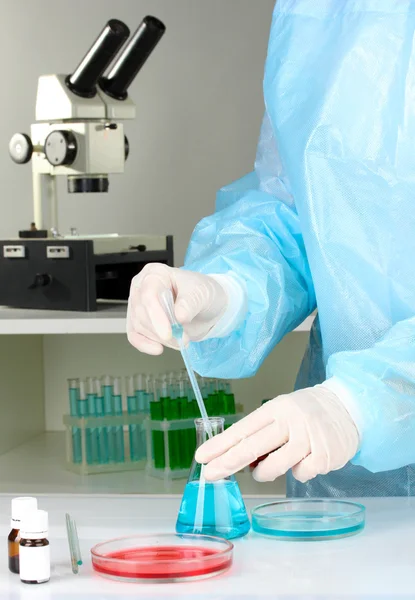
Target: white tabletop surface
[[378, 563]]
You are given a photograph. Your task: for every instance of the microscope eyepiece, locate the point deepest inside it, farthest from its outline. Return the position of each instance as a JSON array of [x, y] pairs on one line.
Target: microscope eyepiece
[[84, 79], [135, 54]]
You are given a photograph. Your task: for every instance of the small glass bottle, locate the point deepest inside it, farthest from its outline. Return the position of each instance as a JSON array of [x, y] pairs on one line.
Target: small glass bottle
[[34, 548], [212, 508], [20, 507]]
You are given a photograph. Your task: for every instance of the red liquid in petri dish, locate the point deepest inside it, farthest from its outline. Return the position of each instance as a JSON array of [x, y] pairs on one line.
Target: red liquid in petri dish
[[162, 562]]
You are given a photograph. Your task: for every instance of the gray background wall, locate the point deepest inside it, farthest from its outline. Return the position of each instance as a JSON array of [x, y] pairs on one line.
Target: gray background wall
[[200, 105], [199, 101]]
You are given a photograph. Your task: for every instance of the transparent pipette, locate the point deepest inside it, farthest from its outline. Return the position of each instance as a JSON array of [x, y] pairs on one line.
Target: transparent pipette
[[167, 301], [73, 540]]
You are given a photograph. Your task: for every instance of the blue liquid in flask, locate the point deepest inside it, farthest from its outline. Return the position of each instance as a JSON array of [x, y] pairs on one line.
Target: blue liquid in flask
[[212, 508]]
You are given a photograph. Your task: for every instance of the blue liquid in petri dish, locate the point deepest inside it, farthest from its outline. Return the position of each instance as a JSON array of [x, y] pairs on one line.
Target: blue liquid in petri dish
[[308, 519], [222, 513], [301, 531]]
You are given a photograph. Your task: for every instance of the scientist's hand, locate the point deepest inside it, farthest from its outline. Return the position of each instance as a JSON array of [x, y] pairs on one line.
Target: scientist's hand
[[309, 431], [200, 302]]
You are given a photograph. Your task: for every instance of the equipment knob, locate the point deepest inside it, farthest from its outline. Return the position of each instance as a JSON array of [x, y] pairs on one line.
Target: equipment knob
[[126, 147], [21, 148], [41, 280], [61, 148]]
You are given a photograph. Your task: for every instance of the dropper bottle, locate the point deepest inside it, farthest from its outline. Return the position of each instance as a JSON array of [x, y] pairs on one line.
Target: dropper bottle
[[34, 548], [20, 507]]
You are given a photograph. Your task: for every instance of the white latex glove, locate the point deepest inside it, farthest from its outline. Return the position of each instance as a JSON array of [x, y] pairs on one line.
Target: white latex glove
[[206, 305], [309, 431]]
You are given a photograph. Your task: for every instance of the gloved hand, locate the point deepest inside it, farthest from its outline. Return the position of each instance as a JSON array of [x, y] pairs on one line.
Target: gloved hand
[[205, 305], [309, 431]]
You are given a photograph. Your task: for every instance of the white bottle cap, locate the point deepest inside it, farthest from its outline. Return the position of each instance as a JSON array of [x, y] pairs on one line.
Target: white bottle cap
[[35, 525], [20, 507]]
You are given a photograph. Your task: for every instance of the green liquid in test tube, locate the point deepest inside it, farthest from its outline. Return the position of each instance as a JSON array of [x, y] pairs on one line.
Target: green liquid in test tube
[[73, 388], [156, 414], [186, 412], [169, 412], [140, 392], [176, 436], [229, 399], [183, 399], [103, 453], [92, 435], [213, 398], [221, 405], [173, 392], [107, 389], [136, 449], [193, 413]]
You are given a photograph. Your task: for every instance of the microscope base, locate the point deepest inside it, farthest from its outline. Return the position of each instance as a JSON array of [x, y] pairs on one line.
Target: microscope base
[[73, 273]]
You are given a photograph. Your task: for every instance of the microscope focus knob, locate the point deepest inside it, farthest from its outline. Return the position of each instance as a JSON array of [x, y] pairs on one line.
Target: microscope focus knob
[[41, 280], [61, 148], [21, 148]]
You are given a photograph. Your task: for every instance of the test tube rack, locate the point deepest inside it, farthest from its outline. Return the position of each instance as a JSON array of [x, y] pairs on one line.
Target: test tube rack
[[157, 431], [171, 445], [93, 437]]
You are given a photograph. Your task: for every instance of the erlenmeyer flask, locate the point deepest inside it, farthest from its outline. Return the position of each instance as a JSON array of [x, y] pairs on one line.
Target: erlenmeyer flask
[[211, 508]]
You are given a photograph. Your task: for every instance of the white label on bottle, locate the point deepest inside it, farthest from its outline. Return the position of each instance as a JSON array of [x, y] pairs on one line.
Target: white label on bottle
[[34, 563]]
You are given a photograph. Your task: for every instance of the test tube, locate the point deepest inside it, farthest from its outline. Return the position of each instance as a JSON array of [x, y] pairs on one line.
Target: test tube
[[118, 431], [150, 392], [171, 411], [73, 388], [136, 452], [92, 441], [107, 389], [172, 381], [186, 435], [229, 399], [156, 414], [213, 398], [140, 392], [83, 413], [204, 389], [221, 403], [103, 453]]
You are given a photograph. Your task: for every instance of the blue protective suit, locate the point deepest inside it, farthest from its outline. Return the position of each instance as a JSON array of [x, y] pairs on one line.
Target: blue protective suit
[[328, 219]]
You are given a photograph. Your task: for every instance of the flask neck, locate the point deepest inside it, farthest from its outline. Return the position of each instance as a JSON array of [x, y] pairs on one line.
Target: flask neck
[[216, 424]]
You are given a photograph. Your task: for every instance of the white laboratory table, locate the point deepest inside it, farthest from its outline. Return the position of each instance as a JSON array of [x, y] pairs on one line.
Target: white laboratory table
[[378, 563]]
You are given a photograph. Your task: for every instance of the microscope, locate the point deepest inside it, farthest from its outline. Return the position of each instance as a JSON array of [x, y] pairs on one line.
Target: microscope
[[79, 134]]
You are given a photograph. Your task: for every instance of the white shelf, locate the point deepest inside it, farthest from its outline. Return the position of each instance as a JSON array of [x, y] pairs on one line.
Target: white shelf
[[108, 319], [16, 321], [38, 467]]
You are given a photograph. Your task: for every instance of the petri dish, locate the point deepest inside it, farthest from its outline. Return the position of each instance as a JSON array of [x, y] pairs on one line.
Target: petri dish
[[162, 558], [309, 519]]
